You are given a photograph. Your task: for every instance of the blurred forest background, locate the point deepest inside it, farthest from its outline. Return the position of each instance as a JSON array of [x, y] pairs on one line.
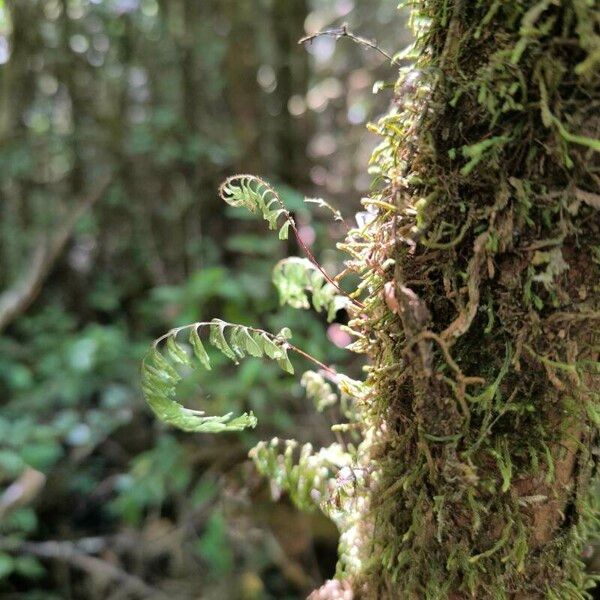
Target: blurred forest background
[[118, 121]]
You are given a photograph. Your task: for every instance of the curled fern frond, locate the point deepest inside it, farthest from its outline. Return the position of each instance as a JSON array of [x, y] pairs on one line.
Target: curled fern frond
[[294, 277], [169, 355], [256, 195]]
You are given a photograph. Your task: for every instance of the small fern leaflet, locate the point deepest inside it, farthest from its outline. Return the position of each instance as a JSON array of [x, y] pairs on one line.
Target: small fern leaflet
[[256, 195], [318, 390]]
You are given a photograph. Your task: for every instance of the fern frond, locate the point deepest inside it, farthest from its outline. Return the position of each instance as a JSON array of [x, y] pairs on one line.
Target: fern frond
[[307, 480], [349, 393], [294, 277], [256, 195], [318, 390], [168, 355]]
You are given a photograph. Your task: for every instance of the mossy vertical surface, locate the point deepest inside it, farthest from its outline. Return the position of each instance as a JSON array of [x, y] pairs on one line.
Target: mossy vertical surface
[[481, 255]]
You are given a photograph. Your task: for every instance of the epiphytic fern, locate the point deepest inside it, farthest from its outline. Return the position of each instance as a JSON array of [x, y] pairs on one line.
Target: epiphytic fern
[[256, 195], [161, 369], [312, 479], [326, 479], [318, 390], [307, 480], [294, 277], [319, 387]]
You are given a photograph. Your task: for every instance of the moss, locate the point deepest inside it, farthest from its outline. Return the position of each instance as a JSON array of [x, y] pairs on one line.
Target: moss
[[482, 416]]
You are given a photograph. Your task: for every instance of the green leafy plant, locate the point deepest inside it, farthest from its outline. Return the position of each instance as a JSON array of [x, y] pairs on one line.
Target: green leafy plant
[[161, 370], [164, 365], [257, 196], [306, 478], [295, 278], [309, 479], [318, 390]]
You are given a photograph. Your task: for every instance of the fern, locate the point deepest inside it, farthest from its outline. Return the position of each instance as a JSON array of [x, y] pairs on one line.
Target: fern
[[256, 195], [309, 480], [294, 277], [312, 479], [318, 390], [168, 356]]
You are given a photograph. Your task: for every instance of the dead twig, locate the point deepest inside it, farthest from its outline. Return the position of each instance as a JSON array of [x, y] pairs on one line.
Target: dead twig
[[22, 491], [344, 32]]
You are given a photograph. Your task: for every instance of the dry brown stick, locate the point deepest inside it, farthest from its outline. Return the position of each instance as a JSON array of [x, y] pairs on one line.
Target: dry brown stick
[[15, 300]]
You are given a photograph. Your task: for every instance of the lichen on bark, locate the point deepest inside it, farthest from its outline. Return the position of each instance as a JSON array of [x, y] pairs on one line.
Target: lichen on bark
[[481, 256]]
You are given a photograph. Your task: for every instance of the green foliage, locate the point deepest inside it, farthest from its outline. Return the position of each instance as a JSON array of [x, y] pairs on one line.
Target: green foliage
[[318, 390], [257, 196], [154, 476], [156, 93], [29, 567], [7, 565], [161, 370], [307, 478], [50, 374], [214, 548], [295, 277]]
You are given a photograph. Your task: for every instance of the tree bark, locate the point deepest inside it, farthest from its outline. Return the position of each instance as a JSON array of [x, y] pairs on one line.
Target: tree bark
[[482, 321]]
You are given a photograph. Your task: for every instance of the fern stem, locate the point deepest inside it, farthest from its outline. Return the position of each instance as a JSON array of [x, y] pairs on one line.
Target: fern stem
[[323, 366], [315, 262]]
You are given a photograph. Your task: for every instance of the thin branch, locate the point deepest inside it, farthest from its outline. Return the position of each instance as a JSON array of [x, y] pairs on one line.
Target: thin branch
[[344, 32], [16, 300], [22, 491]]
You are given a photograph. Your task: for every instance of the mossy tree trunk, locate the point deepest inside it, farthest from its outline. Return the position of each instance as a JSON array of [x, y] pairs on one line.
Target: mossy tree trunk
[[483, 258]]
